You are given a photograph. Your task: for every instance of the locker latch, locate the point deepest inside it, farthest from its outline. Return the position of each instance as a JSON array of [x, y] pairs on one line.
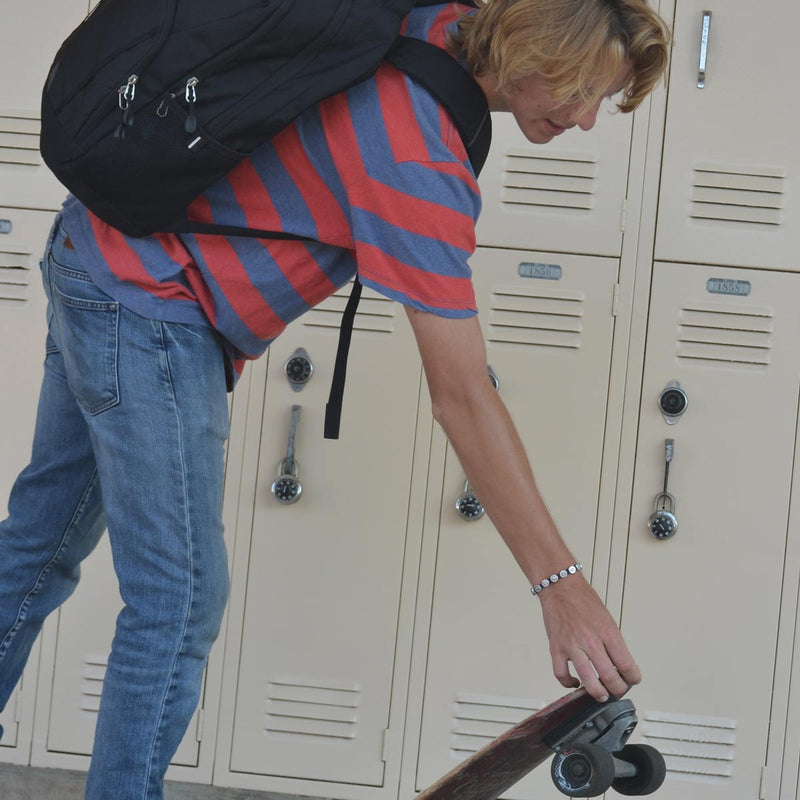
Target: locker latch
[[705, 32]]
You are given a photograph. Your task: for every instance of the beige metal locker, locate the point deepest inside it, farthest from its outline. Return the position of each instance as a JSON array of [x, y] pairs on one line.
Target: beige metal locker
[[701, 609], [569, 195], [22, 332], [549, 324], [28, 44], [75, 647], [319, 632], [731, 165]]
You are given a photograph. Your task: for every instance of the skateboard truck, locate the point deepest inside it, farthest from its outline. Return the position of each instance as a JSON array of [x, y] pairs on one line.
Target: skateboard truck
[[589, 740], [592, 754]]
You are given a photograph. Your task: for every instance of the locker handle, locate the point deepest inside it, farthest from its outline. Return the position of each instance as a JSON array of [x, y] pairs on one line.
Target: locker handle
[[287, 487], [704, 34], [467, 503]]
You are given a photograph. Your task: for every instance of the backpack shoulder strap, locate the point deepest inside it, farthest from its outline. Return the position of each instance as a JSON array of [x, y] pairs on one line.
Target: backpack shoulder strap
[[453, 87]]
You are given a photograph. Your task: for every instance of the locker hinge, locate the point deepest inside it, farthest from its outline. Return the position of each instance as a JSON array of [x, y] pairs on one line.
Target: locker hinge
[[623, 215], [201, 723], [385, 746], [615, 301], [762, 789]]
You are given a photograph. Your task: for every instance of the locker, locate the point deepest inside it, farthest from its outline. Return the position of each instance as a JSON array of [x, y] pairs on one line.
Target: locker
[[569, 195], [28, 46], [730, 162], [549, 324], [320, 620], [701, 609], [77, 642], [22, 331]]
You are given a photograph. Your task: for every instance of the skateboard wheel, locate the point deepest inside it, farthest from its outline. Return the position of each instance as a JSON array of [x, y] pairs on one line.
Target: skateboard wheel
[[650, 770], [583, 770]]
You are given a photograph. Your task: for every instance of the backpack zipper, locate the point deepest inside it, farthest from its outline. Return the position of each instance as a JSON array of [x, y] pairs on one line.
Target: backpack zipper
[[125, 95], [127, 91], [191, 98]]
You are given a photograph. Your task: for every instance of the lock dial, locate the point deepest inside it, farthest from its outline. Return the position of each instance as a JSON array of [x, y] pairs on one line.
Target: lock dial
[[468, 505], [663, 524], [287, 489], [298, 369]]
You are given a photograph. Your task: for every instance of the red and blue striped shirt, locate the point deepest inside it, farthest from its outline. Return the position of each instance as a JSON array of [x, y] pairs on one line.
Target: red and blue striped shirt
[[376, 176]]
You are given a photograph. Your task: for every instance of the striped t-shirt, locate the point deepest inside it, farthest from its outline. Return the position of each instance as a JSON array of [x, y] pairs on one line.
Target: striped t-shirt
[[376, 176]]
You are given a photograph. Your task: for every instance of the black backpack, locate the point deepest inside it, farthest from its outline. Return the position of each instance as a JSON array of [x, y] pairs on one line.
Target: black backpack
[[148, 102]]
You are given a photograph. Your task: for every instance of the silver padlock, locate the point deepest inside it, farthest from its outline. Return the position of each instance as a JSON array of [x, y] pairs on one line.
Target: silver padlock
[[468, 505], [287, 487], [663, 522]]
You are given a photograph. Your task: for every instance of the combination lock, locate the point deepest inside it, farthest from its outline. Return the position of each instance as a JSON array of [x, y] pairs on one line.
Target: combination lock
[[663, 522], [287, 487], [468, 505]]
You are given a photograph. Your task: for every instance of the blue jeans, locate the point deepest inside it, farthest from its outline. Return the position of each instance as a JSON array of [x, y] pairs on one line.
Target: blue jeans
[[130, 435]]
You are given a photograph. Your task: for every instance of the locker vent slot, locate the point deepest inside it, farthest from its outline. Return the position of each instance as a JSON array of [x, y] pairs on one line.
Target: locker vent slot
[[536, 316], [92, 677], [19, 140], [726, 333], [751, 196], [478, 719], [15, 276], [701, 747], [312, 708], [375, 312], [564, 181]]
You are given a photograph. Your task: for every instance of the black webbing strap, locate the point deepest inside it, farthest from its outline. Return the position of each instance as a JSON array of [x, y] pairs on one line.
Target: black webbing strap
[[333, 409], [211, 228]]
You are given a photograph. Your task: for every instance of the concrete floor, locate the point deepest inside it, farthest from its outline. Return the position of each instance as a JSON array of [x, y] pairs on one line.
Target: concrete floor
[[30, 783]]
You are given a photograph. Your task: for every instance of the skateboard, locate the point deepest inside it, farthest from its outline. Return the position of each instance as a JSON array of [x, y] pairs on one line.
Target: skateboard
[[588, 744]]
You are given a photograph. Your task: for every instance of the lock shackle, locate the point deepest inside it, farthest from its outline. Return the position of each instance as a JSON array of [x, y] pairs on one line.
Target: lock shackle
[[289, 466]]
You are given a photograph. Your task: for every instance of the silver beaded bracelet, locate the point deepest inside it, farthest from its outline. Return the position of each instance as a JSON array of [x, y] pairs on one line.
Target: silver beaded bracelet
[[556, 577]]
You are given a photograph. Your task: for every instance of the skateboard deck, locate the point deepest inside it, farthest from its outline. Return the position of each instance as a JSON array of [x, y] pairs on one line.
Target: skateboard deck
[[581, 734]]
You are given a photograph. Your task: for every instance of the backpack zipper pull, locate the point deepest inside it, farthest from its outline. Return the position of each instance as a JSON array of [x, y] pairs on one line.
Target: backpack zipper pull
[[126, 94], [191, 99]]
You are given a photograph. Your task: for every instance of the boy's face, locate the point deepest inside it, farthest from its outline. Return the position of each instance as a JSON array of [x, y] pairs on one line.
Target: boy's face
[[541, 117]]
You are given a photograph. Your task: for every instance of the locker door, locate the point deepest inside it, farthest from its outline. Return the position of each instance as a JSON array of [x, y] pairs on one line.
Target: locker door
[[549, 329], [323, 586], [570, 190], [28, 45], [731, 163], [22, 331], [701, 609], [79, 642]]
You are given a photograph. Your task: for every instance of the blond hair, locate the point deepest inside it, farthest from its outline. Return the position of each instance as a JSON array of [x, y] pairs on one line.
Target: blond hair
[[577, 46]]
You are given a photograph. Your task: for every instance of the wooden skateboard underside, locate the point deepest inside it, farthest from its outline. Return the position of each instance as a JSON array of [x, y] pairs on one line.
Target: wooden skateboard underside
[[485, 775]]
